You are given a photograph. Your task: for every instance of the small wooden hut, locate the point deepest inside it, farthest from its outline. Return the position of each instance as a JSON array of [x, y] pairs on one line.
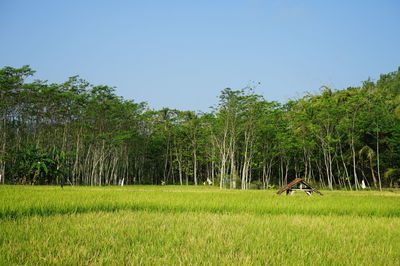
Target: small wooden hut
[[298, 185]]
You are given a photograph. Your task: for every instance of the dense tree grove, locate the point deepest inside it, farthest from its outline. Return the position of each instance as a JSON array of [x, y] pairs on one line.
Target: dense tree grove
[[77, 133]]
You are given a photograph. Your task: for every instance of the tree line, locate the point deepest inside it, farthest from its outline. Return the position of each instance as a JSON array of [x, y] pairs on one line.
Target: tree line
[[81, 134]]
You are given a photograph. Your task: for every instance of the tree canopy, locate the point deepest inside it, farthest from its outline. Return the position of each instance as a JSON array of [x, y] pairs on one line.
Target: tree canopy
[[79, 133]]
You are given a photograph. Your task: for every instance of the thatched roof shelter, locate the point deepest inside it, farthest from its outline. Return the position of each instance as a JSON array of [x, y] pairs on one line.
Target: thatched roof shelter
[[291, 187]]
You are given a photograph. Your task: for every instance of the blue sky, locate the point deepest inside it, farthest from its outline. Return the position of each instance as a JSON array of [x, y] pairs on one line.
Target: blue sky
[[181, 54]]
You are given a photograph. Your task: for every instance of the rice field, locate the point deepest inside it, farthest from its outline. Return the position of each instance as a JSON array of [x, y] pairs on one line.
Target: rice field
[[153, 225]]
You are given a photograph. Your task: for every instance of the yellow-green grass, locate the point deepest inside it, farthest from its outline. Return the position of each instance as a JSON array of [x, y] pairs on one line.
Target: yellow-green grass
[[188, 225]]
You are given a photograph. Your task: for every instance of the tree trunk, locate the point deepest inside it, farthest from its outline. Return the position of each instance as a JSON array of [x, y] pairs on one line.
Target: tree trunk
[[354, 163], [377, 158], [195, 166]]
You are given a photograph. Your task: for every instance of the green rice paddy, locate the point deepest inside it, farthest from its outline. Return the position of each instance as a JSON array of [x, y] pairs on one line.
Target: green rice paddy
[[196, 225]]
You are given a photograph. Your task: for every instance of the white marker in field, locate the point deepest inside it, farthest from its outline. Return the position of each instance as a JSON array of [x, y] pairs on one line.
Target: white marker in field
[[363, 186], [209, 181]]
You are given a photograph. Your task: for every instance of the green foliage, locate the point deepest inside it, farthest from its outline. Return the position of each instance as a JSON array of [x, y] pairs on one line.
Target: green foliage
[[32, 165], [392, 175], [86, 134]]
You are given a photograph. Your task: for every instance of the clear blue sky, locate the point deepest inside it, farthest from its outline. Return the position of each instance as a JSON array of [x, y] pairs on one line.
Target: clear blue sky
[[180, 54]]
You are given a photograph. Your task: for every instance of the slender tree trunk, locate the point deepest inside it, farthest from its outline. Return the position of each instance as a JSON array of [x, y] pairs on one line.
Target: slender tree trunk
[[166, 162], [282, 181], [373, 173], [179, 159], [377, 158], [233, 170], [3, 149], [195, 166], [331, 179], [287, 170], [264, 176], [354, 163], [344, 166]]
